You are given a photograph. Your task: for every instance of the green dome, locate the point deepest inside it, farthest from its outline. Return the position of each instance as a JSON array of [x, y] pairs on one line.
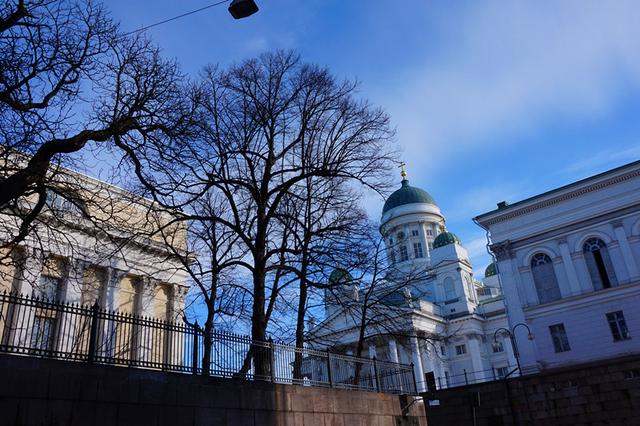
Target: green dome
[[407, 195], [491, 270], [340, 276], [445, 238]]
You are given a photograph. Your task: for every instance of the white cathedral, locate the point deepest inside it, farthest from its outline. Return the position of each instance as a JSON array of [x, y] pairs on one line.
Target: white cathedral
[[437, 315]]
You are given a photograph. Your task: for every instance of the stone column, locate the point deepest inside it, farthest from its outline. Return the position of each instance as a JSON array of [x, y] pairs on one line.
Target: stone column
[[114, 276], [625, 248], [393, 351], [30, 272], [146, 332], [73, 286], [372, 350], [418, 371], [73, 329], [569, 267]]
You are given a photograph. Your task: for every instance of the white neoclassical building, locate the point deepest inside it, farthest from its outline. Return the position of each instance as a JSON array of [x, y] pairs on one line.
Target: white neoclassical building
[[119, 260], [569, 264], [442, 320]]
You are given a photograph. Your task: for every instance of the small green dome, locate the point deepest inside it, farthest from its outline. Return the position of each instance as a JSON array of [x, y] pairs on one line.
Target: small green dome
[[491, 270], [340, 276], [407, 194], [445, 238]]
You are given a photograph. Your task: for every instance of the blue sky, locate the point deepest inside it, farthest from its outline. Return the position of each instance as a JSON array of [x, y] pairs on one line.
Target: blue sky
[[492, 101]]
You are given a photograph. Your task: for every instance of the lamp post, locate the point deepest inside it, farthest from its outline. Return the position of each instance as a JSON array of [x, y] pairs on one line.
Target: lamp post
[[512, 337]]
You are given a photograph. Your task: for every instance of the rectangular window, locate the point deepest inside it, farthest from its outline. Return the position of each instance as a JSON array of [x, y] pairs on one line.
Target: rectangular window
[[461, 349], [443, 350], [404, 255], [618, 326], [429, 232], [497, 347], [430, 246], [559, 337], [417, 250], [501, 372], [414, 232]]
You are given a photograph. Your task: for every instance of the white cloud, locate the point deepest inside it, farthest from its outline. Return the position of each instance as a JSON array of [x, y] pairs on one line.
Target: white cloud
[[509, 65], [594, 162]]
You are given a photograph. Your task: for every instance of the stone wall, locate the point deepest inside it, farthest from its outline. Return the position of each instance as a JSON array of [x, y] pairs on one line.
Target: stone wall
[[603, 393], [37, 391]]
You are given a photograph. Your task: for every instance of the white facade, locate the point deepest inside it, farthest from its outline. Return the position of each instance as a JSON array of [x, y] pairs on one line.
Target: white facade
[[569, 264], [443, 321], [120, 264]]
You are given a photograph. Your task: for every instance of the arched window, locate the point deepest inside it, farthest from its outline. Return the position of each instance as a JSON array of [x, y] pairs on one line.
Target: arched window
[[544, 277], [599, 263]]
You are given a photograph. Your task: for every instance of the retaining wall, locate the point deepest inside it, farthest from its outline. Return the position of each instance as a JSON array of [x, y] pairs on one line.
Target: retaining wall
[[36, 391]]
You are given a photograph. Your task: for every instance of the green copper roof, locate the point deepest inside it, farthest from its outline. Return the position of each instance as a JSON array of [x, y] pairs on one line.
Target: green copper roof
[[491, 270], [445, 238], [340, 276], [407, 194]]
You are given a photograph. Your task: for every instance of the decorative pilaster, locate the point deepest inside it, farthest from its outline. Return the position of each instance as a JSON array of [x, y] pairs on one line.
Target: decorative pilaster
[[479, 373], [625, 248], [569, 267]]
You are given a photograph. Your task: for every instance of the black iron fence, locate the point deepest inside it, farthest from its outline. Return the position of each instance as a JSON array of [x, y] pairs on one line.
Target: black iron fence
[[38, 327], [475, 376]]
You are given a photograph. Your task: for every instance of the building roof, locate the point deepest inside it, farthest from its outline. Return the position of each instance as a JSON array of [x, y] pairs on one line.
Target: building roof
[[407, 194], [340, 276], [490, 270], [445, 238]]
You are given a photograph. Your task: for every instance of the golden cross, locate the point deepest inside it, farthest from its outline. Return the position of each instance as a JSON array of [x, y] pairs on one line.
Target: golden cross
[[403, 171]]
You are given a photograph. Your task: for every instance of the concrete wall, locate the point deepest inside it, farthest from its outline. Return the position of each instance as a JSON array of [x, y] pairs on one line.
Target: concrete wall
[[605, 393], [46, 392]]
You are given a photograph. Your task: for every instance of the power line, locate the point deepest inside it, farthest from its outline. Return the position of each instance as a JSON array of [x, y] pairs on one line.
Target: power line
[[177, 17]]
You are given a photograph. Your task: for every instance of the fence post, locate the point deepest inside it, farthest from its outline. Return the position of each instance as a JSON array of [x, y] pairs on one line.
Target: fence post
[[93, 333], [466, 381], [194, 361], [375, 372], [329, 369], [413, 374], [272, 363]]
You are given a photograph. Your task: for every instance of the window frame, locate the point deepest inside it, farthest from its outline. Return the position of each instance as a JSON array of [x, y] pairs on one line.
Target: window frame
[[545, 279], [418, 251], [618, 326], [404, 253], [559, 338], [461, 349]]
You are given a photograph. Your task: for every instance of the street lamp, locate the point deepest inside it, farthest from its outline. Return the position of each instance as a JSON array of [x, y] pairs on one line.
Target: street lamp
[[512, 337], [242, 8]]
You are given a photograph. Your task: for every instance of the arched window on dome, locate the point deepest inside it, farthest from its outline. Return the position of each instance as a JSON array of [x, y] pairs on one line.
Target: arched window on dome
[[544, 277], [599, 263]]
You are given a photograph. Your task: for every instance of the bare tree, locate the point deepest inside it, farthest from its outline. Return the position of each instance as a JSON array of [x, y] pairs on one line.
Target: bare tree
[[268, 124], [69, 78]]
